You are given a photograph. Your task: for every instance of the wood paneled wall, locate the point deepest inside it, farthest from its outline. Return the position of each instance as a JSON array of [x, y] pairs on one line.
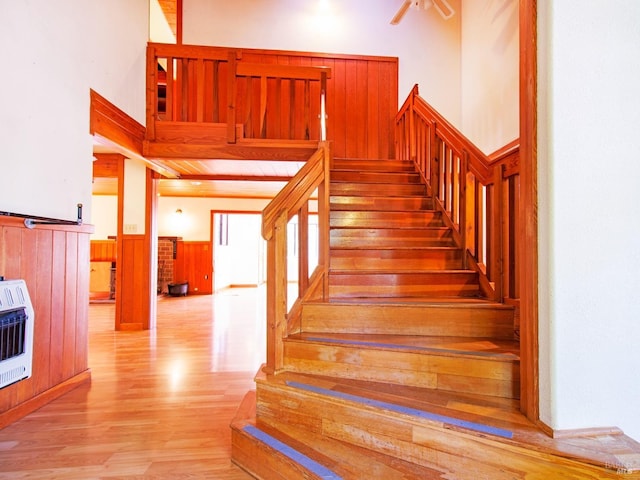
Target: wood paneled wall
[[103, 250], [362, 99], [54, 262], [133, 284], [194, 264]]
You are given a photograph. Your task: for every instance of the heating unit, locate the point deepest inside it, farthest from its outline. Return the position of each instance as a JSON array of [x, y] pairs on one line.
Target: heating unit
[[16, 332]]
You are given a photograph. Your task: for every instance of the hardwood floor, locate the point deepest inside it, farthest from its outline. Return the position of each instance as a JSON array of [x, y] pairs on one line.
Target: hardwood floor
[[160, 402]]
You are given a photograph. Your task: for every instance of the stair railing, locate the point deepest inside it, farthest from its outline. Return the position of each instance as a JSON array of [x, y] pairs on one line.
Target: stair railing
[[212, 85], [478, 194], [308, 187]]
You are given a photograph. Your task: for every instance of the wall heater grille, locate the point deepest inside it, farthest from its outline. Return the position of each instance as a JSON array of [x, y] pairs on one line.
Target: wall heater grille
[[16, 332]]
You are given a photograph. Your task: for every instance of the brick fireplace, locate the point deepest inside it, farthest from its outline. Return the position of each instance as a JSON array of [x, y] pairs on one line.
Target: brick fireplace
[[166, 258]]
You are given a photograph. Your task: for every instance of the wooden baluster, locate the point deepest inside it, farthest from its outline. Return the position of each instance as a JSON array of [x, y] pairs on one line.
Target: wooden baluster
[[307, 107], [323, 107], [435, 159], [232, 66], [323, 219], [303, 251], [495, 247], [277, 114], [464, 162], [455, 191], [480, 222], [199, 65], [263, 107], [248, 108], [292, 109], [215, 93]]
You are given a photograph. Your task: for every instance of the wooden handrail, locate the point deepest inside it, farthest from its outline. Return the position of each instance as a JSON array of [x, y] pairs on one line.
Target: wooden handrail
[[212, 85], [478, 194], [292, 200]]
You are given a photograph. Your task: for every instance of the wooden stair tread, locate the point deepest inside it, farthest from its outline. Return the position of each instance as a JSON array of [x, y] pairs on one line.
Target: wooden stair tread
[[494, 422]]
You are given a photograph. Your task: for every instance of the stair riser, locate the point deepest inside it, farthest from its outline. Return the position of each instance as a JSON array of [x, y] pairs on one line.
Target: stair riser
[[397, 204], [376, 242], [420, 320], [429, 284], [373, 189], [373, 177], [381, 166], [365, 219], [459, 373], [262, 462], [394, 233], [367, 258]]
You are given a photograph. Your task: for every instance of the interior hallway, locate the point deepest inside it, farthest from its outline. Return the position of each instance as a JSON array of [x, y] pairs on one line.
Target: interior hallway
[[159, 403]]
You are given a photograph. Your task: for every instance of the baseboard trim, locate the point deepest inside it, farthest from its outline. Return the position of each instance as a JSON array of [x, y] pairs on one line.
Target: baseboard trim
[[578, 432], [25, 408]]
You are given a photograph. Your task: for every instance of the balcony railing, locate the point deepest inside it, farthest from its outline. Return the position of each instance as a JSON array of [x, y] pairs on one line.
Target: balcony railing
[[200, 87]]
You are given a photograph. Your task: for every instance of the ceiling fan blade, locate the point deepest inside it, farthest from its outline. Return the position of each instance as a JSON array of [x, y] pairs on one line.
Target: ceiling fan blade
[[400, 13], [443, 7]]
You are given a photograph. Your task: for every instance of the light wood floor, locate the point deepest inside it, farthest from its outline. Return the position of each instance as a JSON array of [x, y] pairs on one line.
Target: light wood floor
[[159, 403]]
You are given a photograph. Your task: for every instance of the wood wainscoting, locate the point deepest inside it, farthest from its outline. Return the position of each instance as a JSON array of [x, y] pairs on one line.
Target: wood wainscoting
[[194, 264], [54, 262]]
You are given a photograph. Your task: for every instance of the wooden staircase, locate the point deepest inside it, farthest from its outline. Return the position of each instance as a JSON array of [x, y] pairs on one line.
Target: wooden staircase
[[408, 371]]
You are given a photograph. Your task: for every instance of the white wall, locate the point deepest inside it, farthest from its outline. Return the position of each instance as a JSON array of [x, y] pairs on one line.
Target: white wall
[[341, 26], [490, 73], [104, 209], [589, 174], [194, 224], [53, 53]]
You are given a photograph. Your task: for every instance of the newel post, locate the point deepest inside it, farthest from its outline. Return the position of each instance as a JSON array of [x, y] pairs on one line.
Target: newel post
[[276, 294]]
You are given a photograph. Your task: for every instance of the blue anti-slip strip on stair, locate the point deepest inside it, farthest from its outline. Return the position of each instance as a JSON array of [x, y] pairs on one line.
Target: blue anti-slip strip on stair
[[362, 343], [311, 465], [478, 427]]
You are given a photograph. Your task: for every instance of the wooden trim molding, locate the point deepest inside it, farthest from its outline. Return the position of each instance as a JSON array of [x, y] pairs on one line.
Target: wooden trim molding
[[528, 229], [34, 403], [115, 126], [120, 132], [578, 432]]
